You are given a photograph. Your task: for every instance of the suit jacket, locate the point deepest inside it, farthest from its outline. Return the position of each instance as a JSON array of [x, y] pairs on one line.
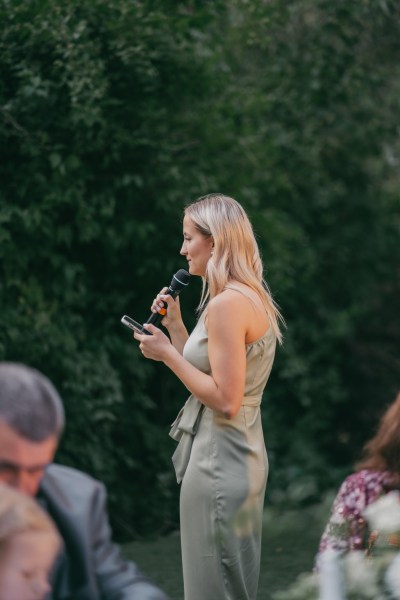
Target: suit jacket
[[90, 567]]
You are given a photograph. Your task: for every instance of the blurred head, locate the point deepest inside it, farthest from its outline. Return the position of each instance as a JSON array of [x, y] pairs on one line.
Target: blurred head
[[382, 452], [226, 231], [29, 543], [31, 422]]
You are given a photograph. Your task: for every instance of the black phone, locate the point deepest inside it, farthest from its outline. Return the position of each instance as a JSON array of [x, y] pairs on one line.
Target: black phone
[[134, 325]]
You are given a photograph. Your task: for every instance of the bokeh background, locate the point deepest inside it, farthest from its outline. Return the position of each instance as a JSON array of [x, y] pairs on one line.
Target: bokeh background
[[114, 115]]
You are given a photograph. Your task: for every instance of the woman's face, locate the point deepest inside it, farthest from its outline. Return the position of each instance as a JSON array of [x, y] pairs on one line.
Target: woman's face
[[25, 563], [196, 248]]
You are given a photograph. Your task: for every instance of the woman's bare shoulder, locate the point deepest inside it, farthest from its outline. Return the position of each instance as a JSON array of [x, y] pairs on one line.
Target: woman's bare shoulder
[[229, 297]]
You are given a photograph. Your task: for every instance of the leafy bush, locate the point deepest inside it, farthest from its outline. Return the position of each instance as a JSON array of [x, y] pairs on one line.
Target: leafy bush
[[114, 115]]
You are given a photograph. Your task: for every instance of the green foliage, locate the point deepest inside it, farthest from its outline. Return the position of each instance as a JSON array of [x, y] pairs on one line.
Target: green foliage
[[116, 113]]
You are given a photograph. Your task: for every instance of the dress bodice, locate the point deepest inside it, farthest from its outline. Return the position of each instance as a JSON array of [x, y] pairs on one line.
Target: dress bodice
[[259, 356]]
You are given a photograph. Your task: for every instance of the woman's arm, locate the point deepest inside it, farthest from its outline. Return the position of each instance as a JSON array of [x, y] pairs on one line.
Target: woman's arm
[[179, 335], [223, 390], [347, 528]]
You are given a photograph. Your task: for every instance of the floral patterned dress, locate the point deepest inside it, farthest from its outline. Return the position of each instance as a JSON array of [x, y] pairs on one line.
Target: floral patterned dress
[[347, 529]]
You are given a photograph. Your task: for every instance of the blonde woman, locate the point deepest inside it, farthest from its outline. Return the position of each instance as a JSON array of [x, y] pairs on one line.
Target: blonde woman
[[225, 363], [29, 543]]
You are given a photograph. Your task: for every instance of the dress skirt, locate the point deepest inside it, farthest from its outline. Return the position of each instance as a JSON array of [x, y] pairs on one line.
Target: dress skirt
[[221, 507]]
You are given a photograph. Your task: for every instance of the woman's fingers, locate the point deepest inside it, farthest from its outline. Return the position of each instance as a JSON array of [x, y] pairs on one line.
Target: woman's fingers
[[153, 346], [158, 303]]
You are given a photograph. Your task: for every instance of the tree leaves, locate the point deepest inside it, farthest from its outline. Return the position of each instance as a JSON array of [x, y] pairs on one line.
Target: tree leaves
[[115, 114]]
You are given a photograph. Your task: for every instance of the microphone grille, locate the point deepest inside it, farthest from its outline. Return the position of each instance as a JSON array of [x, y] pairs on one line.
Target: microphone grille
[[181, 278]]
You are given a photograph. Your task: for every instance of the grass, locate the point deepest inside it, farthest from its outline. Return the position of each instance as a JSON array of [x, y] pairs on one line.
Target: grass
[[290, 541]]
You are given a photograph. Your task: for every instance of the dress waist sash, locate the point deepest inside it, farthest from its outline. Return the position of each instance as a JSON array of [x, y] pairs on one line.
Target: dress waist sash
[[185, 426]]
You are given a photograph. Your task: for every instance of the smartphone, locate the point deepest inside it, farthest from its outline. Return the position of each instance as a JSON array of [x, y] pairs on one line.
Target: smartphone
[[134, 325]]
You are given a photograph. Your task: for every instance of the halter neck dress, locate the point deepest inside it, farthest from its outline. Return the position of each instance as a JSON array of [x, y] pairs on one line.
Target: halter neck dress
[[223, 466]]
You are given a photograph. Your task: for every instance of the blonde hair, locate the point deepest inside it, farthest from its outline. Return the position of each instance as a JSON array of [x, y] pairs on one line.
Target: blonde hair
[[235, 254], [20, 513]]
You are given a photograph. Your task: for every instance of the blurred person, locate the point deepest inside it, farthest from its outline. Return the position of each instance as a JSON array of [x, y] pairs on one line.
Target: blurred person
[[29, 543], [225, 364], [90, 566], [376, 474]]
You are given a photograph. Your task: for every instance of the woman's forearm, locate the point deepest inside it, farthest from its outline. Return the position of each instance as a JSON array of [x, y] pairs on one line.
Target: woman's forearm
[[200, 384], [179, 336]]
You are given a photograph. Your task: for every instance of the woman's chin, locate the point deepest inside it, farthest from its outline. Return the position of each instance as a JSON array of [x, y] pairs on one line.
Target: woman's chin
[[192, 270]]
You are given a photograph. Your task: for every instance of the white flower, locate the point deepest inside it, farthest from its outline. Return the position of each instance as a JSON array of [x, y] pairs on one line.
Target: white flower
[[384, 514], [392, 577], [361, 575], [331, 584]]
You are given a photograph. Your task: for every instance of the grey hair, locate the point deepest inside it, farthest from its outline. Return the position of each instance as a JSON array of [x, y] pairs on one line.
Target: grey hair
[[29, 402]]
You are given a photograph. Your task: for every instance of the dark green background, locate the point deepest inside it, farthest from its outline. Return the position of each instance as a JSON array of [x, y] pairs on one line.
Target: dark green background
[[114, 114]]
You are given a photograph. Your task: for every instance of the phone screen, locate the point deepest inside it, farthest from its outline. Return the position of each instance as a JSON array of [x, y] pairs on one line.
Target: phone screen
[[134, 325]]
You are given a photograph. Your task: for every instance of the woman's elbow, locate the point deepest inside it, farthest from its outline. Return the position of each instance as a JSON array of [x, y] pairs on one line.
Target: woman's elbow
[[230, 410]]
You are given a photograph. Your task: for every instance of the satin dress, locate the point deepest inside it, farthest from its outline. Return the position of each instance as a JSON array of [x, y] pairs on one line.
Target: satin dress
[[223, 466]]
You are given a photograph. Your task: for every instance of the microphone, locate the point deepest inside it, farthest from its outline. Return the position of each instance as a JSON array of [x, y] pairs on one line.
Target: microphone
[[179, 281]]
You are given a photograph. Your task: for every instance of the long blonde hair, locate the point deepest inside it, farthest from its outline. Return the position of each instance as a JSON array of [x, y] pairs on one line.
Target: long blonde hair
[[235, 254]]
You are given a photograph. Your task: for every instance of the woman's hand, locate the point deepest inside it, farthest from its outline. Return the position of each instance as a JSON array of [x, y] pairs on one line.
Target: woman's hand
[[156, 346], [173, 315]]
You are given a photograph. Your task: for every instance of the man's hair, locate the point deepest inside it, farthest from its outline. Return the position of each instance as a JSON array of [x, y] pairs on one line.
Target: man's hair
[[29, 402]]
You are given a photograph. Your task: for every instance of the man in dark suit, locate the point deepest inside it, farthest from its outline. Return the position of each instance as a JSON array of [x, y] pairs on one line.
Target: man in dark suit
[[31, 422]]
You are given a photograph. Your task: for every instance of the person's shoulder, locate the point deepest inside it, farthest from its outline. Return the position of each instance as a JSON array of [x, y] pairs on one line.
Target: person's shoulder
[[363, 479], [230, 297], [69, 481], [62, 472], [376, 481], [224, 309]]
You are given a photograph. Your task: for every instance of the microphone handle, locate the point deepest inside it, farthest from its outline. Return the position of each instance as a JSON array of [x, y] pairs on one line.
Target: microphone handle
[[157, 317]]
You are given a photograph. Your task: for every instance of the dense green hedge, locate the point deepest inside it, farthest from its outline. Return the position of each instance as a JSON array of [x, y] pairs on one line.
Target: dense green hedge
[[114, 113]]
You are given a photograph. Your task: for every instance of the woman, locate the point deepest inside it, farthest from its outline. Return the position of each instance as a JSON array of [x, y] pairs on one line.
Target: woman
[[376, 474], [29, 543], [225, 364]]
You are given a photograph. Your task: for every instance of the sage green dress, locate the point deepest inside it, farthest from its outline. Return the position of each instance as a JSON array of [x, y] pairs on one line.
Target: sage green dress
[[223, 466]]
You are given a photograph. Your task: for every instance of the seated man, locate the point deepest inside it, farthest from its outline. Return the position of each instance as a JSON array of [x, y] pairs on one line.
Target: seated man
[[90, 566]]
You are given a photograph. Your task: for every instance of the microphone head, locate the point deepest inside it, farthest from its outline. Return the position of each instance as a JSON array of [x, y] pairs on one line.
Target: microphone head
[[180, 280]]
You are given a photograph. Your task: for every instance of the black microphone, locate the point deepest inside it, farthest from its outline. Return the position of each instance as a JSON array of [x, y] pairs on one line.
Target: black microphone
[[179, 281]]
